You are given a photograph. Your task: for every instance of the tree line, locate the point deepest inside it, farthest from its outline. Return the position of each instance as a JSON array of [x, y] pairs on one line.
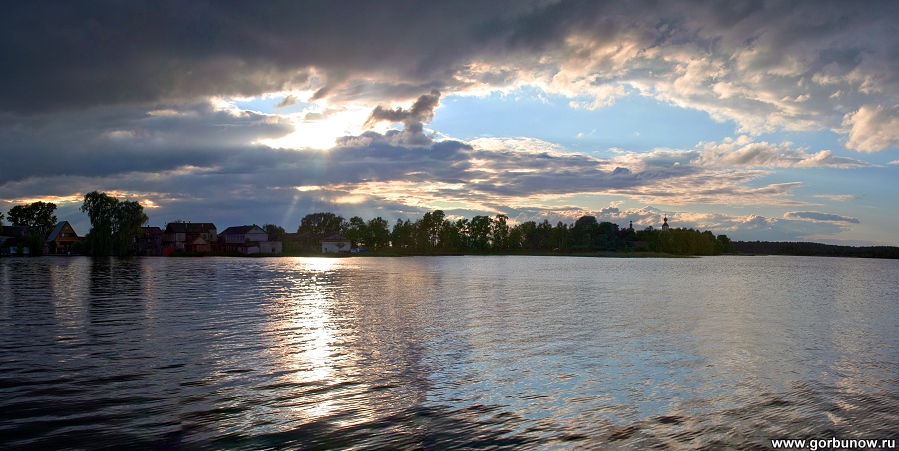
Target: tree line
[[814, 249], [115, 224], [434, 233]]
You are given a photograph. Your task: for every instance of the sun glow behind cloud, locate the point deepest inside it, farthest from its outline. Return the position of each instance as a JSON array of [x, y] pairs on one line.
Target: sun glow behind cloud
[[319, 128]]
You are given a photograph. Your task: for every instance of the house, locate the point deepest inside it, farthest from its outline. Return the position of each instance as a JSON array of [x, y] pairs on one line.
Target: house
[[149, 242], [12, 240], [310, 242], [249, 239], [61, 239], [189, 237], [335, 243]]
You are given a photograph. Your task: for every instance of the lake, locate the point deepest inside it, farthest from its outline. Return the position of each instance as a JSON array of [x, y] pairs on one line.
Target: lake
[[446, 352]]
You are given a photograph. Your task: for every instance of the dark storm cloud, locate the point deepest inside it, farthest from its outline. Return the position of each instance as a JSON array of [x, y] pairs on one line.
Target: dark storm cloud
[[109, 141], [66, 55], [63, 55]]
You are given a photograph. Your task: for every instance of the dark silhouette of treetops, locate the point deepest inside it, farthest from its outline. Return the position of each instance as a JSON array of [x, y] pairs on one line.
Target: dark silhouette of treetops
[[434, 233]]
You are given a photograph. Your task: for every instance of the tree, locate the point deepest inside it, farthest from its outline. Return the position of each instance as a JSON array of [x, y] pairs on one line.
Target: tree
[[499, 231], [429, 229], [561, 237], [37, 216], [356, 230], [129, 222], [401, 236], [114, 224], [40, 220], [272, 229], [479, 232], [324, 223], [378, 233], [726, 246]]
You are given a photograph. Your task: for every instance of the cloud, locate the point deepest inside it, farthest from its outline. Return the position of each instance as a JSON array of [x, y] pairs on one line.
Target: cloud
[[823, 217], [203, 154], [421, 111], [116, 140], [287, 101], [745, 152], [837, 197], [147, 52], [766, 66], [872, 128]]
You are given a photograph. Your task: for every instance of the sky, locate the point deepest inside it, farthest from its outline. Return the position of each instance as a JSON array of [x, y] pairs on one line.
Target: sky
[[761, 120]]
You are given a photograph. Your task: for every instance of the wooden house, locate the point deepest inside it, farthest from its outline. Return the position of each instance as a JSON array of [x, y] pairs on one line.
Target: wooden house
[[61, 239]]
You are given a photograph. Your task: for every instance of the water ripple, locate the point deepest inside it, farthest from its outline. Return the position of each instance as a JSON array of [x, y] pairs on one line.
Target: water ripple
[[445, 353]]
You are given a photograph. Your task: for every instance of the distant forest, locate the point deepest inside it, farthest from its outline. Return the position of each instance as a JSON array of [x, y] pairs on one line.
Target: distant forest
[[435, 234], [814, 249]]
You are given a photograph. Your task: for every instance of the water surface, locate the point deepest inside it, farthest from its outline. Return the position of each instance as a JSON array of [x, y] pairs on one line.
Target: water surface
[[443, 352]]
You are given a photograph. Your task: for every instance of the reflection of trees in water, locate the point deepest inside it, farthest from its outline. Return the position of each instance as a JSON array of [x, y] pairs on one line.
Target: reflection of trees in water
[[23, 282], [115, 287]]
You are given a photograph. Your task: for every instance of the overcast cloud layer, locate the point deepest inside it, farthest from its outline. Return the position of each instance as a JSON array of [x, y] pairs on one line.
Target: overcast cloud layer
[[137, 99]]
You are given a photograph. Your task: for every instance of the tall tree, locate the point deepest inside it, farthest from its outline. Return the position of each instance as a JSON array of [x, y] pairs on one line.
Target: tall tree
[[378, 232], [321, 223], [130, 219], [499, 231], [37, 216], [356, 230], [114, 224], [40, 220], [401, 236], [479, 232]]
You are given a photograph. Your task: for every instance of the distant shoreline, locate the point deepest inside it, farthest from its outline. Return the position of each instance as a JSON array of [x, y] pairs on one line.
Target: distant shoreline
[[741, 248]]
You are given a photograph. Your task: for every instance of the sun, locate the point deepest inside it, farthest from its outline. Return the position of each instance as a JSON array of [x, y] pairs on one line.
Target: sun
[[319, 128]]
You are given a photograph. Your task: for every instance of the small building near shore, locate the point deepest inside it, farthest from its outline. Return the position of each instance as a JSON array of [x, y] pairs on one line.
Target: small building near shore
[[249, 239], [335, 244], [327, 243]]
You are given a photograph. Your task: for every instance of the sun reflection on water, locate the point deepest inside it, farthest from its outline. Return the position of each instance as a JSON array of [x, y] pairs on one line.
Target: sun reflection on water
[[307, 343]]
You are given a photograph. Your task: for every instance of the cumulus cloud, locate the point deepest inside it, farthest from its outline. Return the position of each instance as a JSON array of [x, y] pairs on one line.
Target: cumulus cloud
[[872, 128], [743, 151], [413, 118], [824, 217]]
